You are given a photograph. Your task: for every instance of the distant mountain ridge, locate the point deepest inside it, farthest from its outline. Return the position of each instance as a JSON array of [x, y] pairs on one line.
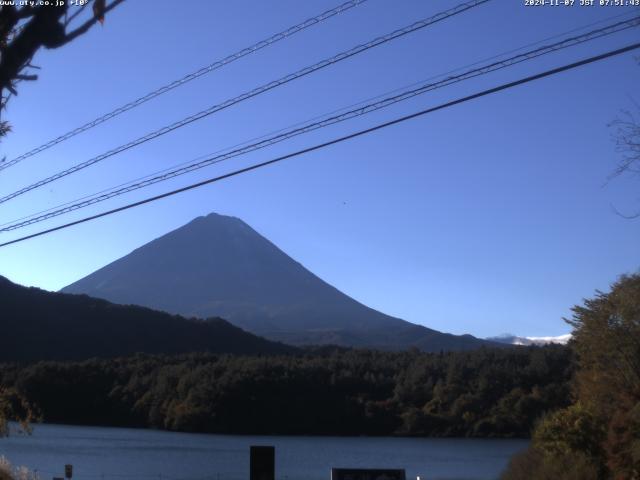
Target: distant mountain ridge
[[41, 325], [510, 339], [219, 266]]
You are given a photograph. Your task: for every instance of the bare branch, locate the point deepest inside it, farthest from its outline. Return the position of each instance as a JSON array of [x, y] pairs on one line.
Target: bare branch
[[626, 137], [77, 12], [26, 12], [26, 77], [625, 216], [89, 23]]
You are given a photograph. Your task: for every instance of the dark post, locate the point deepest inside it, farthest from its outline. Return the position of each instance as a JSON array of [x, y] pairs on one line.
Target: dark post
[[263, 463]]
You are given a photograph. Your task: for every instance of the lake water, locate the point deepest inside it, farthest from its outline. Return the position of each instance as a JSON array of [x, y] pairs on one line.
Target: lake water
[[118, 453]]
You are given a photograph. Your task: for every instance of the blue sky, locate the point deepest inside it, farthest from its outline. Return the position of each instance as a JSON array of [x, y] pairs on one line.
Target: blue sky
[[489, 217]]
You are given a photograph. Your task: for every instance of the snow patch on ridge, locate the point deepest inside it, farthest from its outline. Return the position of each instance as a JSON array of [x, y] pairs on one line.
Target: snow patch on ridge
[[515, 340]]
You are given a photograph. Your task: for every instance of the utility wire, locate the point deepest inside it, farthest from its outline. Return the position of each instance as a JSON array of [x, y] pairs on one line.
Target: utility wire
[[344, 138], [187, 78], [257, 91], [371, 107], [342, 109]]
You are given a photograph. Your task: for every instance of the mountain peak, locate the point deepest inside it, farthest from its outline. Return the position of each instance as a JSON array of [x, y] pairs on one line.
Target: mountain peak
[[218, 266], [217, 217]]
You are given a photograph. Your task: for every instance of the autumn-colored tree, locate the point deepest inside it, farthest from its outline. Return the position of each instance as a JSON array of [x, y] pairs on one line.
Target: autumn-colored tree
[[607, 341], [570, 430], [533, 464], [599, 435], [566, 444], [15, 408]]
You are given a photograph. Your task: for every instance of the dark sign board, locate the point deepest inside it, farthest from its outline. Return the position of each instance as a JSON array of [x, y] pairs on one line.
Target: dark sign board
[[366, 474], [263, 463]]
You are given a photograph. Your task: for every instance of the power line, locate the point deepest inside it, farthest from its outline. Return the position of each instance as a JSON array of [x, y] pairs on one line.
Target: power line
[[187, 78], [40, 213], [257, 91], [331, 120], [344, 138]]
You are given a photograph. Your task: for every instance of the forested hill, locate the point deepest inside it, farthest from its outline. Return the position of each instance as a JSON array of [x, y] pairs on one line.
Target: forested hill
[[39, 325]]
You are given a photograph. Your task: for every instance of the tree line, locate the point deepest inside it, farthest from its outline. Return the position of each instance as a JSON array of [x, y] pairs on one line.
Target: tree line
[[326, 391]]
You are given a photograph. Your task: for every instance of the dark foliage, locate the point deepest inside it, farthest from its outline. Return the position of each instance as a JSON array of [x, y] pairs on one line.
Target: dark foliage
[[484, 393]]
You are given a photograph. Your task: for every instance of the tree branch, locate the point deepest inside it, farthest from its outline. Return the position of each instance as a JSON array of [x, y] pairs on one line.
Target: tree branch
[[88, 24], [45, 28], [78, 12]]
